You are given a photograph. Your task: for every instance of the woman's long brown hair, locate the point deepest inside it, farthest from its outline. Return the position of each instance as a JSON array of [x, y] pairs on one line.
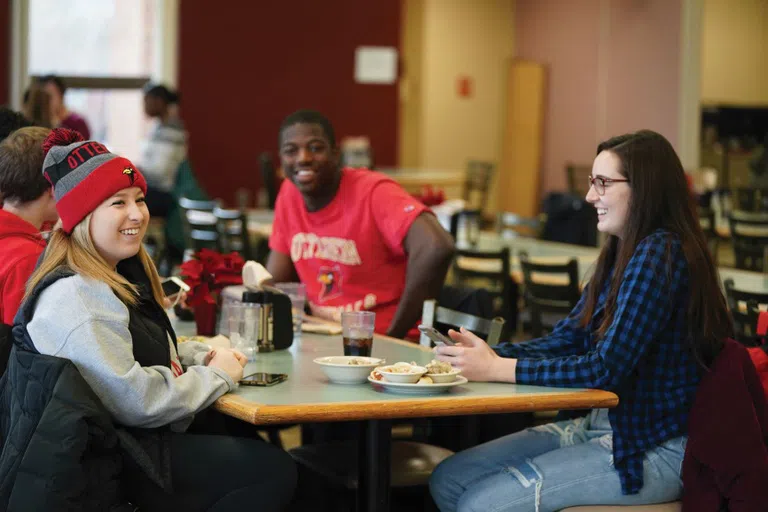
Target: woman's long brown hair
[[661, 199]]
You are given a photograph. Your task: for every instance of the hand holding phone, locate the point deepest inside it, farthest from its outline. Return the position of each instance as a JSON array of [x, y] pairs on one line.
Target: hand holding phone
[[436, 336], [174, 285]]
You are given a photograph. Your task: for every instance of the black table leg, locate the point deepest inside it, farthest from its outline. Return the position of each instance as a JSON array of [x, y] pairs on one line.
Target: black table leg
[[374, 454], [468, 427]]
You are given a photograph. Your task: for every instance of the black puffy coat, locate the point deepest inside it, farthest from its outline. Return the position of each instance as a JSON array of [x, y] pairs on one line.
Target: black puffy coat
[[59, 447]]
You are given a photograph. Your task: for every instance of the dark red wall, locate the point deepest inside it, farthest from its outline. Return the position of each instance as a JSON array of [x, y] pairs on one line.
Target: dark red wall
[[243, 69], [5, 50]]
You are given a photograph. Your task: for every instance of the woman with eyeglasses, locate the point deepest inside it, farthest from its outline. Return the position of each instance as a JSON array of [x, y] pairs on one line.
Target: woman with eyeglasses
[[650, 321]]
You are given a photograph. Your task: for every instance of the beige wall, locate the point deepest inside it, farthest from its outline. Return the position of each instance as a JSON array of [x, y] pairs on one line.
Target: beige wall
[[734, 66], [458, 37]]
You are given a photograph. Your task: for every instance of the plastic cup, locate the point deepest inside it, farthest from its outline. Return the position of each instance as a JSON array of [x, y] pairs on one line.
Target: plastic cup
[[357, 332]]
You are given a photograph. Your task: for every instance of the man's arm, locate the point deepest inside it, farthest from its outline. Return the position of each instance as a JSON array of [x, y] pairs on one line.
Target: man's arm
[[430, 251], [281, 267]]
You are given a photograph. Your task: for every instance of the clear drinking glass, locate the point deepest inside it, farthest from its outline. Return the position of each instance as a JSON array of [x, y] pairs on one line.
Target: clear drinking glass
[[357, 331], [242, 322]]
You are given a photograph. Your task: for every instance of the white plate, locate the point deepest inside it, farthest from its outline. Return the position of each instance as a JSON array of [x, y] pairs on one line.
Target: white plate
[[417, 389]]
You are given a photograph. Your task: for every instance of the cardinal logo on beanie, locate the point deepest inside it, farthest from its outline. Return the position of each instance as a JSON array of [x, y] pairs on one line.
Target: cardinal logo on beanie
[[131, 173]]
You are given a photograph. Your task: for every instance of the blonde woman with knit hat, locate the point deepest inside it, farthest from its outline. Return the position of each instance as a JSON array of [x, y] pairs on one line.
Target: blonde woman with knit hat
[[95, 299]]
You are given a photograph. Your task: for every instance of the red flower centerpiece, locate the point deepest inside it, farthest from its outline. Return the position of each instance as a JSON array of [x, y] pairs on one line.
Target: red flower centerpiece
[[206, 274]]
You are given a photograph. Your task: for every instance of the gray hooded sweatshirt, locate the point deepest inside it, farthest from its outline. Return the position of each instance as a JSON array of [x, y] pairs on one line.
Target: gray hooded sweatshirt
[[82, 320]]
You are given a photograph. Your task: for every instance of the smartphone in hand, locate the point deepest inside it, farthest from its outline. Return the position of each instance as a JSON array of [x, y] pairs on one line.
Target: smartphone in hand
[[173, 285], [436, 336]]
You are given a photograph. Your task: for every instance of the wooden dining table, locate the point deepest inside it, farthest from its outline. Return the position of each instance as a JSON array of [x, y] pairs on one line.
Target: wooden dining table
[[308, 396]]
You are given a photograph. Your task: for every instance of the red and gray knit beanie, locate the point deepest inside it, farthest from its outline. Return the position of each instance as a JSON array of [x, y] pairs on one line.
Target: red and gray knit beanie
[[84, 174]]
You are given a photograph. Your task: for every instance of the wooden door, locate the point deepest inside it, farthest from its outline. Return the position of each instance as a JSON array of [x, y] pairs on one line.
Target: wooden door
[[519, 181]]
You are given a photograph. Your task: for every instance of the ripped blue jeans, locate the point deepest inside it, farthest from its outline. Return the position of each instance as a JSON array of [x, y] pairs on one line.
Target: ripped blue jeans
[[551, 467]]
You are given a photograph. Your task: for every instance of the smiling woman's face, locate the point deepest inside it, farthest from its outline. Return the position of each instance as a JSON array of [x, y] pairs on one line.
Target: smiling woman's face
[[118, 225], [613, 205]]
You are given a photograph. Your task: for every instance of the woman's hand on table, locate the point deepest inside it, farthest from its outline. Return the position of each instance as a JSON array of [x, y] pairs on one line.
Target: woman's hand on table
[[241, 358], [476, 360], [225, 360]]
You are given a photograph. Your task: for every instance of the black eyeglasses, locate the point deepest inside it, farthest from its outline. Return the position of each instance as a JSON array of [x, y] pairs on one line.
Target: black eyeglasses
[[599, 183]]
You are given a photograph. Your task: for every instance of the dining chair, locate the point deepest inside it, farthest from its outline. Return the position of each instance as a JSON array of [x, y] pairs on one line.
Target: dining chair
[[745, 308], [490, 270], [751, 199], [749, 235], [550, 291], [432, 314], [512, 225], [232, 228], [465, 431], [199, 224], [465, 226], [412, 461]]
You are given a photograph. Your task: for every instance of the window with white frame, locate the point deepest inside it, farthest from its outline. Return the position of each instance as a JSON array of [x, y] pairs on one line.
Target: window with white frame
[[105, 51]]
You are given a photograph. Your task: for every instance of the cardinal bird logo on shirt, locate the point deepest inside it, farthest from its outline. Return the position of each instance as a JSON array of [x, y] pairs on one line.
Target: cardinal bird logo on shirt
[[330, 281], [131, 173]]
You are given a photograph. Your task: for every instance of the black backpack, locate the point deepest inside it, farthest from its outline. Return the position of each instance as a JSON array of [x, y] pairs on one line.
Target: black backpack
[[570, 220]]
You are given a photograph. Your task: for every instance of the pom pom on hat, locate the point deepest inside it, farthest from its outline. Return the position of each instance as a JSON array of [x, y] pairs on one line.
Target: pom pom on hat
[[61, 137]]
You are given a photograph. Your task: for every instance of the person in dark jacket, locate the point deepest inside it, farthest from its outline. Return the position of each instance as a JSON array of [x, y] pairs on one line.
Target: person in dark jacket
[[96, 299], [649, 321]]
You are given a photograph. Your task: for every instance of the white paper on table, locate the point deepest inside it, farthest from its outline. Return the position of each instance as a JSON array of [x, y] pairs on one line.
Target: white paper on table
[[320, 328]]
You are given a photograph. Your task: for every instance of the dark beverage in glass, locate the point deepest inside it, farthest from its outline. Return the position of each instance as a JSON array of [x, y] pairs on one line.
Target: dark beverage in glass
[[358, 346]]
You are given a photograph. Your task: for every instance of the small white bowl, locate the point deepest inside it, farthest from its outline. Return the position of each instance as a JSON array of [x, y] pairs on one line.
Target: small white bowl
[[413, 375], [443, 378], [338, 369]]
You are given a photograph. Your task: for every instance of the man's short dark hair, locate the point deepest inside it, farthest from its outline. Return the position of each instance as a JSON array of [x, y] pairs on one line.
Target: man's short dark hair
[[55, 80], [21, 165], [10, 121], [306, 116]]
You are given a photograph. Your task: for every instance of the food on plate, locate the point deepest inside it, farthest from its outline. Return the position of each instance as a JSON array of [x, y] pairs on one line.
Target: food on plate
[[438, 367], [425, 380], [402, 367], [358, 361], [376, 375]]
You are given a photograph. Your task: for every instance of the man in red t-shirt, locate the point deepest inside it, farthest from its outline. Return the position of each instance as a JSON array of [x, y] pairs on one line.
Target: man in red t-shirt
[[354, 237], [27, 203]]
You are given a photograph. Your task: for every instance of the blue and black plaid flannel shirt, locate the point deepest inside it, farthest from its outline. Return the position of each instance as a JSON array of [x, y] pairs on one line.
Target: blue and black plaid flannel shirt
[[644, 356]]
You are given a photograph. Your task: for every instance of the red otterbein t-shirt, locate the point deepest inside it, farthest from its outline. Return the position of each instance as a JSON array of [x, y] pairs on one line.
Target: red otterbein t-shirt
[[350, 254]]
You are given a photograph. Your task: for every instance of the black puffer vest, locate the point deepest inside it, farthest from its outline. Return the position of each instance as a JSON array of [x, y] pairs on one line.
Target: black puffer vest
[[149, 327]]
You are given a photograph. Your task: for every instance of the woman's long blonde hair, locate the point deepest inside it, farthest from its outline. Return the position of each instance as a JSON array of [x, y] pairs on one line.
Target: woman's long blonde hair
[[77, 252]]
